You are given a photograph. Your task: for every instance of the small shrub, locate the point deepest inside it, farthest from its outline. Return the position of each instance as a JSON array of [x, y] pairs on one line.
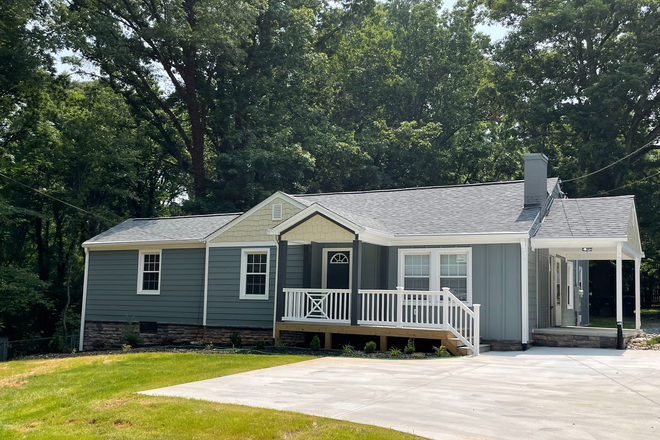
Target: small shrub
[[410, 347], [210, 346], [653, 341], [395, 351], [316, 343], [131, 337], [73, 351], [441, 351], [370, 347], [348, 349], [260, 344], [235, 340], [126, 347], [280, 347], [418, 355]]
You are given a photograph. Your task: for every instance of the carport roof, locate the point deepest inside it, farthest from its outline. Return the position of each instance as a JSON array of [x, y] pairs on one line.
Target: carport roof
[[602, 217]]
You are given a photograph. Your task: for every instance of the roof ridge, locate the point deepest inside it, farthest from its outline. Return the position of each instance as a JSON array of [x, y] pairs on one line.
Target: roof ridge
[[184, 216], [506, 182]]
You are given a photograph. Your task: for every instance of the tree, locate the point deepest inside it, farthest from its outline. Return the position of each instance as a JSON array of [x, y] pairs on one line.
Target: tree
[[580, 81], [167, 52]]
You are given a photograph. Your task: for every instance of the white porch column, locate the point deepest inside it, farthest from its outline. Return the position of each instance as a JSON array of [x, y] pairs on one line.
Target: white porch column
[[619, 284], [638, 299], [524, 300]]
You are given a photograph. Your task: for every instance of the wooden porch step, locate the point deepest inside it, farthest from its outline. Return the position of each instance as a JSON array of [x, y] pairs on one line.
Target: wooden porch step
[[483, 348]]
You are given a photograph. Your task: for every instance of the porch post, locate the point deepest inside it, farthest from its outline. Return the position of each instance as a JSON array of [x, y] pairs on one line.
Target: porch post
[[638, 300], [619, 284], [524, 281], [356, 280], [281, 279]]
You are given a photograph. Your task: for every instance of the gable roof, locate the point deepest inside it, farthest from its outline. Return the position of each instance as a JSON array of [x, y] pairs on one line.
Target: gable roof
[[594, 217], [164, 229], [485, 208]]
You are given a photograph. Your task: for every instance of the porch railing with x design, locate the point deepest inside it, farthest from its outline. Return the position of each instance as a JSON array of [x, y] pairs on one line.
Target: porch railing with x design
[[317, 305]]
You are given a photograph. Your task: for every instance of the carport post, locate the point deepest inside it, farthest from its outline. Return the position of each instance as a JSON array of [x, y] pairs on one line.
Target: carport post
[[619, 284], [638, 300]]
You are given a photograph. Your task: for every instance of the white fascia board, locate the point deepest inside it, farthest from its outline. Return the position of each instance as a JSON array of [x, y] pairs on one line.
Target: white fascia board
[[242, 244], [570, 255], [636, 223], [631, 252], [449, 239], [315, 209], [576, 242], [144, 245], [231, 224]]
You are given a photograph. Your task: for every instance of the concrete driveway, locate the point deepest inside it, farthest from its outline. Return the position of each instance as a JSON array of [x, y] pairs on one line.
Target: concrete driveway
[[543, 393]]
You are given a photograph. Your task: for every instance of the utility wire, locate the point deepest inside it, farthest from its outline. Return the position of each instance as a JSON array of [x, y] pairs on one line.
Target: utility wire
[[59, 200], [625, 186], [610, 165]]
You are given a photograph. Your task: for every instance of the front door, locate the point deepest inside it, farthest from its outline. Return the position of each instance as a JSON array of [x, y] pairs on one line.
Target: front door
[[337, 269]]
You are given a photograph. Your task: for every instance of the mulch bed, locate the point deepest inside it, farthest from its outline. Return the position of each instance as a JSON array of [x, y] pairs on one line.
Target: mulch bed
[[641, 342], [220, 351]]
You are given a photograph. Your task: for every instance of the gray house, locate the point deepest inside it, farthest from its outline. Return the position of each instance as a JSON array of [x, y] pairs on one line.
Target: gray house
[[496, 265]]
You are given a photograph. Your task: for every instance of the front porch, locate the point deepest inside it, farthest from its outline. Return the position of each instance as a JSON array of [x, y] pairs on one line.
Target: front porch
[[382, 313]]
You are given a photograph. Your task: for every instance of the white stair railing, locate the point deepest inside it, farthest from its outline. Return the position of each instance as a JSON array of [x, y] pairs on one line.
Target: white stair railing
[[317, 305], [422, 309]]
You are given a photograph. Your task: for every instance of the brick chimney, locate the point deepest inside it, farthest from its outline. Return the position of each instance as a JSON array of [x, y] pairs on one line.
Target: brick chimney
[[536, 178]]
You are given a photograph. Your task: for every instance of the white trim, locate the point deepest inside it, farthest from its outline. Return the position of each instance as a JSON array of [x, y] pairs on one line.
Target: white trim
[[141, 255], [576, 242], [324, 269], [145, 244], [277, 274], [237, 220], [638, 301], [369, 236], [242, 244], [274, 214], [631, 252], [434, 266], [206, 285], [84, 301], [524, 302], [306, 213], [619, 284], [244, 254]]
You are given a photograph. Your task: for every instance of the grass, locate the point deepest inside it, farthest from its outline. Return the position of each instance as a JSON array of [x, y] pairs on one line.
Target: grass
[[94, 397], [653, 341], [650, 317]]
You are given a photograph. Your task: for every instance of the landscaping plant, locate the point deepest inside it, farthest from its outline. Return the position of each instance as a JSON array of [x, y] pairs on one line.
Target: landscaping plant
[[235, 340], [370, 347], [395, 351], [316, 343], [410, 347], [441, 351], [260, 344], [348, 349]]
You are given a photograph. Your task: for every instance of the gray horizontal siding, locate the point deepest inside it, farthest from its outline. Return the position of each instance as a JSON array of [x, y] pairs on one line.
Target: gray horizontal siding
[[225, 308], [112, 288], [295, 266]]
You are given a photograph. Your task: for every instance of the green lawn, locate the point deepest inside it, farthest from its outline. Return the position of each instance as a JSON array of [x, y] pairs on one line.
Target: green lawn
[[650, 318], [94, 397]]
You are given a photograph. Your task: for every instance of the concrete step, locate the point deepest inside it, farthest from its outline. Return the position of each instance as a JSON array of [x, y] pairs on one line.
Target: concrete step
[[483, 348]]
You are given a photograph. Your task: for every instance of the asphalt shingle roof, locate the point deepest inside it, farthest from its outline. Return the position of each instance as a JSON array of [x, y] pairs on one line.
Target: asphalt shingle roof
[[595, 217], [163, 229], [460, 209]]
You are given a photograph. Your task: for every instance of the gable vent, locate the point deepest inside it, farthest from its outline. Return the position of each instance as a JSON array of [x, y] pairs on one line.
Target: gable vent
[[277, 211]]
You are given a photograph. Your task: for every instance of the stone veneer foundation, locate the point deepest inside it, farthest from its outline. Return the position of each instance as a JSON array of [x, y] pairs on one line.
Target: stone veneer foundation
[[582, 341], [102, 334]]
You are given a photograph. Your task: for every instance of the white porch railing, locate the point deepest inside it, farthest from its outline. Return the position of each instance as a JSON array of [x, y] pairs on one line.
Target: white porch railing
[[317, 305], [440, 310]]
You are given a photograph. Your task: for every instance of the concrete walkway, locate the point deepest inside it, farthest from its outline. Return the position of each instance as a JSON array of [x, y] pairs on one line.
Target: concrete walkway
[[543, 393]]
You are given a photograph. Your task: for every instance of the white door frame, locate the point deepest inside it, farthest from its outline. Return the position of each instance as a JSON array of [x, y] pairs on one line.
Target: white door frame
[[570, 286], [555, 272], [324, 270]]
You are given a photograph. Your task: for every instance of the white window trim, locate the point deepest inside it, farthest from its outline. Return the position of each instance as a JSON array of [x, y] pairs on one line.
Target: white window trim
[[273, 216], [434, 266], [244, 254], [141, 255], [570, 286], [324, 269]]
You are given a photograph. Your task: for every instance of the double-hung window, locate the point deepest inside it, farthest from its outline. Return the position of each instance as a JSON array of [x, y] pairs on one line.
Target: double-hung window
[[435, 268], [255, 270], [149, 268]]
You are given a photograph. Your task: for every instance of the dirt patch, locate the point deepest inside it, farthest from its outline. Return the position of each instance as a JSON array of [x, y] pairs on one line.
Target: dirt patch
[[31, 426], [15, 384], [119, 424], [113, 403]]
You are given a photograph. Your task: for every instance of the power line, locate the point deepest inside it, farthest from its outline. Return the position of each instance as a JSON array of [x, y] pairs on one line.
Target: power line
[[59, 200], [610, 165], [624, 186]]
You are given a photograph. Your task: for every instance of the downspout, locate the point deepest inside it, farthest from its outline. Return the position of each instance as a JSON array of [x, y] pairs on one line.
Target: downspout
[[277, 271], [524, 303], [84, 301], [206, 285]]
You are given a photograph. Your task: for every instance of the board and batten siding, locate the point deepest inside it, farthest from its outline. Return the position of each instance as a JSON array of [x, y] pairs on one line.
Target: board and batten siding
[[225, 307], [496, 281], [112, 288], [532, 292], [544, 287]]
